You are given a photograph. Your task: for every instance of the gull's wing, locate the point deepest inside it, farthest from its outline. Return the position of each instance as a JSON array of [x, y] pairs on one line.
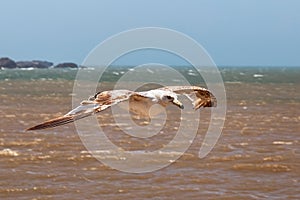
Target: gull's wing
[[84, 110], [99, 102], [200, 97], [140, 104]]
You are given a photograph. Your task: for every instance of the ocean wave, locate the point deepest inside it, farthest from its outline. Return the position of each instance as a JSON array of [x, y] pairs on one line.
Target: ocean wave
[[8, 152]]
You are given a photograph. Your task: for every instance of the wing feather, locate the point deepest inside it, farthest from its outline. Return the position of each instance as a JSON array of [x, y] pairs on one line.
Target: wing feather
[[98, 103], [80, 112], [200, 96]]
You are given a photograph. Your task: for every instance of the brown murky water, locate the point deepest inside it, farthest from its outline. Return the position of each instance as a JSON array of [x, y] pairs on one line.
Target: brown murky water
[[257, 156]]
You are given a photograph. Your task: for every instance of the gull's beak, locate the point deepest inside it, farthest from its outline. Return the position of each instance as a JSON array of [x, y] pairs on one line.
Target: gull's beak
[[178, 103]]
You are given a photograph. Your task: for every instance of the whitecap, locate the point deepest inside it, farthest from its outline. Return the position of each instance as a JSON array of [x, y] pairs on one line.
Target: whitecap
[[8, 152], [192, 74], [28, 69], [258, 75], [282, 142]]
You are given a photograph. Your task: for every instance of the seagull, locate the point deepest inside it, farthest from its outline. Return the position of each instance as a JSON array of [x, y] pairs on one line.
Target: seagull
[[139, 102]]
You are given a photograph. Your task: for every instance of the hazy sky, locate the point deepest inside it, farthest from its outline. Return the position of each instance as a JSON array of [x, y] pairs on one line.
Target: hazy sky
[[234, 32]]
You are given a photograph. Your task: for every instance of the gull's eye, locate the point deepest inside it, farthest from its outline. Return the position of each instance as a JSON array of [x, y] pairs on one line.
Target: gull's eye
[[169, 97]]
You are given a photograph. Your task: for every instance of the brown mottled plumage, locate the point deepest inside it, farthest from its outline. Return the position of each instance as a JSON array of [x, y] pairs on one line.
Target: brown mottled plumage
[[139, 102]]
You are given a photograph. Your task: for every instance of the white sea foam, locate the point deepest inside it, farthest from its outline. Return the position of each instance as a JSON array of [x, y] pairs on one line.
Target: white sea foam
[[258, 75]]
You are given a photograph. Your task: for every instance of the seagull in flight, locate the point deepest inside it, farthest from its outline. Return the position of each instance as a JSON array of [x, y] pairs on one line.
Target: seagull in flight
[[139, 102]]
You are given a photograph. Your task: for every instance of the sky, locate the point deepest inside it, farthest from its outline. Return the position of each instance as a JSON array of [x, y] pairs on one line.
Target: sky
[[233, 32]]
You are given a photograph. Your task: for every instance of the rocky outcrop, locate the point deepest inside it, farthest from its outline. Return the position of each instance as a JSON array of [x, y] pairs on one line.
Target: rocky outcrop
[[7, 63], [66, 65], [34, 64]]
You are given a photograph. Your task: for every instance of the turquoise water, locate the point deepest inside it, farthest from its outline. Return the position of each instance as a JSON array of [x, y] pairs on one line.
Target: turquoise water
[[229, 74]]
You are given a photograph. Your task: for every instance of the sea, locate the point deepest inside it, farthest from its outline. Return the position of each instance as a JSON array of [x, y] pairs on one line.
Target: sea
[[257, 156]]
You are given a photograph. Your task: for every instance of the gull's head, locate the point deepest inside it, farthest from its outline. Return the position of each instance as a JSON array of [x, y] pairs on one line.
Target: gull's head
[[170, 97]]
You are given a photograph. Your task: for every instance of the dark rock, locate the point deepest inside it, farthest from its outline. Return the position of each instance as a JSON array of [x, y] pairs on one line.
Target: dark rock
[[7, 63], [34, 64], [66, 65], [44, 63]]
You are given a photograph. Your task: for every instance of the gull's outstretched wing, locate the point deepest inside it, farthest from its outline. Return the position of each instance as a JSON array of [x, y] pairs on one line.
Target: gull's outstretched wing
[[200, 97], [93, 105], [139, 103]]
